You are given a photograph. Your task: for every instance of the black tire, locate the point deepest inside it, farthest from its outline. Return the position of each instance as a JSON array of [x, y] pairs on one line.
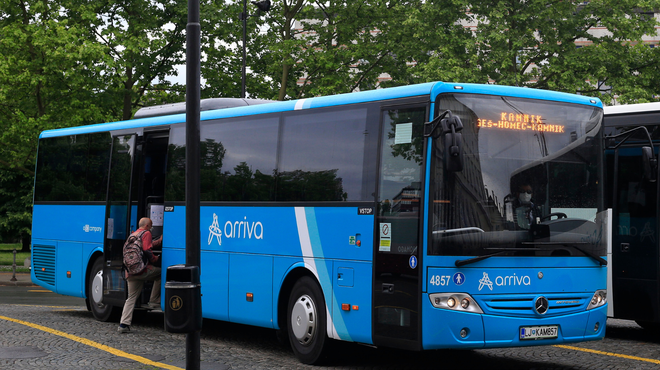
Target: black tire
[[101, 311], [306, 321]]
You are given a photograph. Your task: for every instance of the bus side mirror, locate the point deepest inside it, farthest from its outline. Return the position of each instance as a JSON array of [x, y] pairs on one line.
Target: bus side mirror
[[649, 164], [453, 143]]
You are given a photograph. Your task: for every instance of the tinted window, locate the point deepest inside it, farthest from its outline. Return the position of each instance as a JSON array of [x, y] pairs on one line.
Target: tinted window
[[238, 160], [619, 123], [316, 155], [175, 182], [322, 156], [73, 168]]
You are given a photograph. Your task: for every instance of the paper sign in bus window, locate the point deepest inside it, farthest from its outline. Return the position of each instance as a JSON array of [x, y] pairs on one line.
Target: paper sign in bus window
[[385, 237], [403, 133], [156, 214]]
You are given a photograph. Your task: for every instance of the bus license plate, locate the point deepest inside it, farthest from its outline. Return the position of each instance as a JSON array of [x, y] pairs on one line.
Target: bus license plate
[[538, 332]]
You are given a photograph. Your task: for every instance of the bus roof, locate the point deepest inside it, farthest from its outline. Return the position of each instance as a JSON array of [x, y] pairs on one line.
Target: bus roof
[[632, 108], [429, 89]]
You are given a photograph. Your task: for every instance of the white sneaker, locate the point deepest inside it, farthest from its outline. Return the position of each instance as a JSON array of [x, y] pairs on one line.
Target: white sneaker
[[152, 307]]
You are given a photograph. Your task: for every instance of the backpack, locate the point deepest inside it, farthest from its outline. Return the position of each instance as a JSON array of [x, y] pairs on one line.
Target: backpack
[[133, 254]]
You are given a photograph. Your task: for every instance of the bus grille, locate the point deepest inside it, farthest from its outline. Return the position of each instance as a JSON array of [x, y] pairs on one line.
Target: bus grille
[[43, 263], [523, 305]]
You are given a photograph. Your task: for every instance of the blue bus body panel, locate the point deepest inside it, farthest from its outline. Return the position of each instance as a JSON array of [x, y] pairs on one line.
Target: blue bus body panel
[[506, 296], [273, 230], [256, 247], [578, 327], [352, 287], [519, 280], [81, 223], [71, 234], [251, 274], [69, 258], [442, 329]]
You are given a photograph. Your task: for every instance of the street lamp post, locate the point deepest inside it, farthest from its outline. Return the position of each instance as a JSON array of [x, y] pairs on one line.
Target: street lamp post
[[263, 6]]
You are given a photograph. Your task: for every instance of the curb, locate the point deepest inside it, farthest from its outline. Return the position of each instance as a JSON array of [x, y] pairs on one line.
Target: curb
[[22, 279]]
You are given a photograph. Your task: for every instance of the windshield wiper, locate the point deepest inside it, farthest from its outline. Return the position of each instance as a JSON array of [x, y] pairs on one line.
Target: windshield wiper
[[601, 260], [468, 261], [459, 263]]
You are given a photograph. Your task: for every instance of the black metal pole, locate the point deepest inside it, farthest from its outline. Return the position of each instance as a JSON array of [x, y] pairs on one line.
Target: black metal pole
[[244, 17], [193, 44]]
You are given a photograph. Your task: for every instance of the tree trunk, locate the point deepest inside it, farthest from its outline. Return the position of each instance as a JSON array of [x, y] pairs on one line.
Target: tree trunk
[[26, 240]]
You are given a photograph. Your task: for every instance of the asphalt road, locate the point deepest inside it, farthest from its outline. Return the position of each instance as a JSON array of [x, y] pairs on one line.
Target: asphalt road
[[40, 329], [36, 295]]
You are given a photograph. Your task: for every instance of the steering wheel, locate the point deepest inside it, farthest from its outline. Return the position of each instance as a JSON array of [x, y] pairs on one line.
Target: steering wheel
[[558, 214]]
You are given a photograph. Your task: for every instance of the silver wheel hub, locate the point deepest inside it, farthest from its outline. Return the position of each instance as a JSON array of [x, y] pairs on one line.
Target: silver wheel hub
[[97, 288], [304, 320]]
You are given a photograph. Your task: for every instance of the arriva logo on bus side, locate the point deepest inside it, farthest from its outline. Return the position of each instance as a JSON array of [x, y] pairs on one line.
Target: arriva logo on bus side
[[235, 230], [88, 228], [511, 280]]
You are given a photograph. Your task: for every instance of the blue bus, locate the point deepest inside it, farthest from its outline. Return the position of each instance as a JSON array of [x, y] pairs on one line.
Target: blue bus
[[632, 194], [393, 217]]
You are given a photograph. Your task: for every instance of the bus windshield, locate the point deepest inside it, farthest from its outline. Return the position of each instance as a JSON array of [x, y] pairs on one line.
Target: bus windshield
[[529, 184]]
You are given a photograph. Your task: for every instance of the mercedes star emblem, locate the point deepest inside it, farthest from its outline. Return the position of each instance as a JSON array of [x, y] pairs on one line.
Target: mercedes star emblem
[[541, 305]]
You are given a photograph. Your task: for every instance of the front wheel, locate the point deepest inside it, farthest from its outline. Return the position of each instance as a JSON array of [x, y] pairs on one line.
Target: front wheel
[[101, 311], [306, 323]]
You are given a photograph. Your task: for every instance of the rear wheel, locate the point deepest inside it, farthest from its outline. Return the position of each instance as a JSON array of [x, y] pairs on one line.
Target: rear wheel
[[306, 321], [101, 311]]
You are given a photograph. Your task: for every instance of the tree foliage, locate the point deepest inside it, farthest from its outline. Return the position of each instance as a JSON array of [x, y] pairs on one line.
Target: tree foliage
[[593, 48], [66, 63], [47, 70], [144, 41]]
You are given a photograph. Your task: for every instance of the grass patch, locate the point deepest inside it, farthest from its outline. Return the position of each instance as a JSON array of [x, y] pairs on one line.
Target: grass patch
[[19, 269], [7, 255]]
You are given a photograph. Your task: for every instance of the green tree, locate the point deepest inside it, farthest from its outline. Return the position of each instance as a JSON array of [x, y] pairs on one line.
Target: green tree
[[144, 40], [15, 207], [549, 45], [47, 80], [222, 34], [304, 48]]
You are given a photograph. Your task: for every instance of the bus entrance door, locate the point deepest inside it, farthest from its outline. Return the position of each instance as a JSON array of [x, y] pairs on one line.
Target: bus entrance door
[[635, 286], [396, 320], [121, 217]]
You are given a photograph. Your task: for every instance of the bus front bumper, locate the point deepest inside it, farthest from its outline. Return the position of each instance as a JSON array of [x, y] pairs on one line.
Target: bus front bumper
[[453, 329]]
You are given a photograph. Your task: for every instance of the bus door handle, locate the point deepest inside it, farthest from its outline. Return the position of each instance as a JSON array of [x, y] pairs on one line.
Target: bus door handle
[[388, 288]]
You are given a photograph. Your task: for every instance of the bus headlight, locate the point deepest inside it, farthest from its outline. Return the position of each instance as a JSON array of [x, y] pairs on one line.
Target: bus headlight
[[599, 299], [450, 301]]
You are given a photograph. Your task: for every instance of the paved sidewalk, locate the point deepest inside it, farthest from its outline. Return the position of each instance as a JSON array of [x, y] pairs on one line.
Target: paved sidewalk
[[68, 338], [22, 279]]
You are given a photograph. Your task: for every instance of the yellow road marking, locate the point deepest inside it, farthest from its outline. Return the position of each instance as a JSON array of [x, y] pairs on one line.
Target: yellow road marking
[[608, 354], [88, 342], [40, 291]]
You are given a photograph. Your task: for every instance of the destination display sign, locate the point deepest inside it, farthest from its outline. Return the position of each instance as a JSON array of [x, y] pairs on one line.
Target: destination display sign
[[520, 122]]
